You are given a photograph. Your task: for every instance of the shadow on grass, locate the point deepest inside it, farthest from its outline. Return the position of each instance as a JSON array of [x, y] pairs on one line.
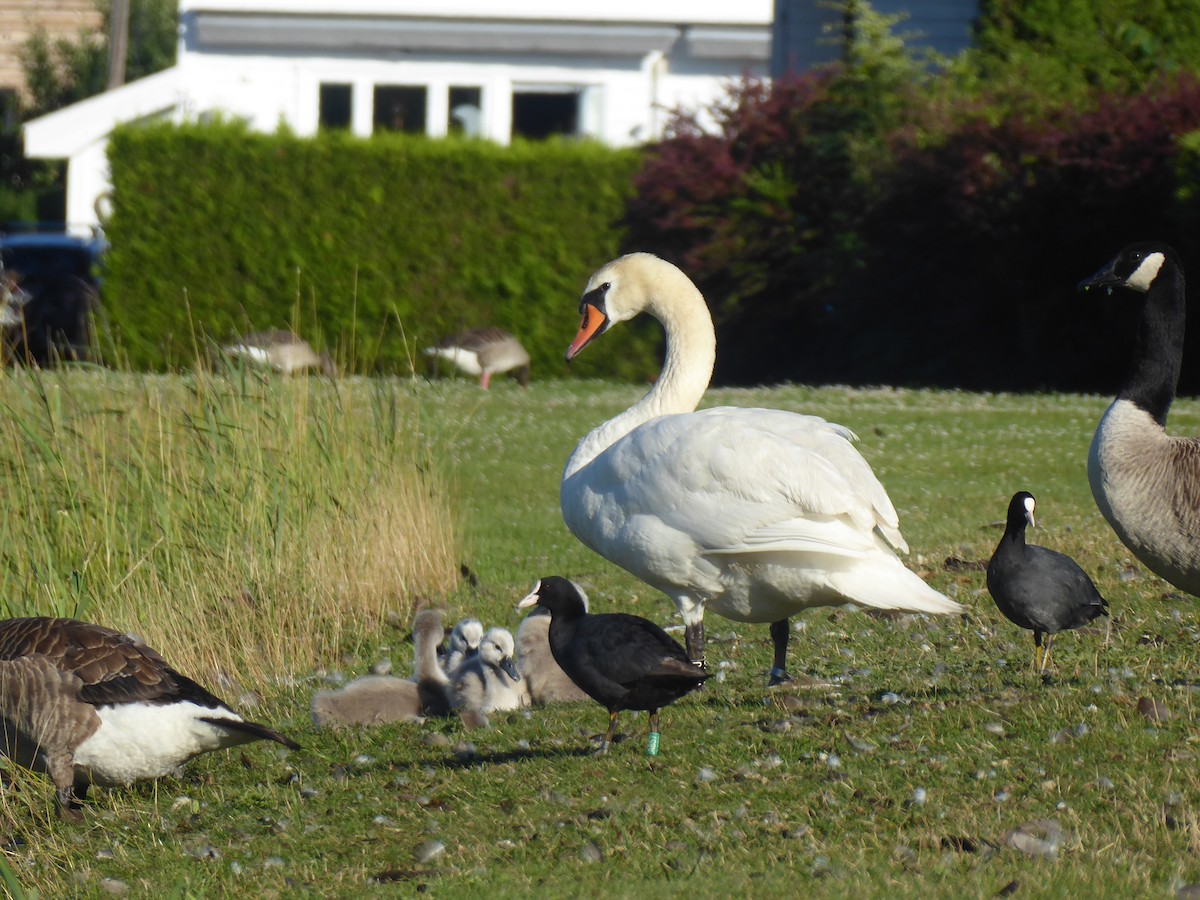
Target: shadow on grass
[[470, 760]]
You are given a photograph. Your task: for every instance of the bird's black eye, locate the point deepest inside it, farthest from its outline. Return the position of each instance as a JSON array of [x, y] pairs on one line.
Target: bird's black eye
[[606, 286]]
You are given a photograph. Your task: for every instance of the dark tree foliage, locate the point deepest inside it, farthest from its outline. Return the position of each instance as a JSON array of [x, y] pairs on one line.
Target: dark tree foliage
[[949, 257], [1069, 47], [763, 209], [981, 240]]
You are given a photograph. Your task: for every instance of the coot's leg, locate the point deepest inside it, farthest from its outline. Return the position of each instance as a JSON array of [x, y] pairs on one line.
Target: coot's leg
[[612, 728], [1046, 654], [1039, 660]]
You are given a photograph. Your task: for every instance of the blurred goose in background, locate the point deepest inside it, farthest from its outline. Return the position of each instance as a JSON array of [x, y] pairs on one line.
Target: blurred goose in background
[[1039, 589], [283, 351], [489, 681], [484, 352], [89, 705], [13, 300], [544, 677], [463, 645], [754, 513], [620, 661], [379, 699], [1145, 481]]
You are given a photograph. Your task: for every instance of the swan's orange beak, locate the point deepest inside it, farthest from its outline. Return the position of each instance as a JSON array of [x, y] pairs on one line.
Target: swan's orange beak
[[593, 324]]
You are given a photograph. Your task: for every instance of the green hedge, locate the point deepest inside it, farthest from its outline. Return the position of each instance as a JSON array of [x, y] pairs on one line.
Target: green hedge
[[373, 248]]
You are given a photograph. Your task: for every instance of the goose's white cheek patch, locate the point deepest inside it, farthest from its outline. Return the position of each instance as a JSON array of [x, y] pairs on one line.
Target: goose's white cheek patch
[[1143, 276]]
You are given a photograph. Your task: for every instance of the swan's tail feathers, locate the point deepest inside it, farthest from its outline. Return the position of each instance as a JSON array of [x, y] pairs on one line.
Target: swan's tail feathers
[[892, 535], [896, 589]]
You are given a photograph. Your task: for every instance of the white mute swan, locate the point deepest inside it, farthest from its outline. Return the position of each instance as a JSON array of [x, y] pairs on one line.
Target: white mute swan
[[754, 513], [1145, 481]]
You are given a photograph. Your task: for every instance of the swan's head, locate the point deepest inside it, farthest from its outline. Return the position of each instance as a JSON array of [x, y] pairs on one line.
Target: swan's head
[[496, 649], [427, 627], [1136, 267], [617, 292], [466, 636]]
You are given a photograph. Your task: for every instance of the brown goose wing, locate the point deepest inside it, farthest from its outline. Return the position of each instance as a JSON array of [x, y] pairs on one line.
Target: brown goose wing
[[477, 339], [111, 667]]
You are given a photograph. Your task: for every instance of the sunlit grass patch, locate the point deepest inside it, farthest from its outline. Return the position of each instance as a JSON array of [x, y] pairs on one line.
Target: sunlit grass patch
[[898, 765], [245, 523]]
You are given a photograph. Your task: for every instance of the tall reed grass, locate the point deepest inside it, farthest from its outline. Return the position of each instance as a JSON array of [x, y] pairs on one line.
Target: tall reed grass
[[239, 522]]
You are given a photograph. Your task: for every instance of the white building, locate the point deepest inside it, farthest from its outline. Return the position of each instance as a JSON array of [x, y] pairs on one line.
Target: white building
[[492, 68]]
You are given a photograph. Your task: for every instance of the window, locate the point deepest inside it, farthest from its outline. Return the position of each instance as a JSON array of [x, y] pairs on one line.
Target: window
[[465, 111], [541, 113], [400, 108], [334, 104]]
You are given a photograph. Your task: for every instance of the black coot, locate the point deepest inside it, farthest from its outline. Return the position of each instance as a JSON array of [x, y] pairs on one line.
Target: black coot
[[620, 661], [1039, 589]]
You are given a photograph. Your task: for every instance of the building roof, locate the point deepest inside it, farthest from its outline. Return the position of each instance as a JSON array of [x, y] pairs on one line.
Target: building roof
[[744, 12], [70, 129]]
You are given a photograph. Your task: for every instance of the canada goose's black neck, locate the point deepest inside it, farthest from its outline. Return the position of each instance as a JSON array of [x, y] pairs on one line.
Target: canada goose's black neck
[[1158, 347]]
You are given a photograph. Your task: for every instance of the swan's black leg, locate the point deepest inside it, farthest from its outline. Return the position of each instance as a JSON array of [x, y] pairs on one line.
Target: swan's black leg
[[694, 638], [780, 632]]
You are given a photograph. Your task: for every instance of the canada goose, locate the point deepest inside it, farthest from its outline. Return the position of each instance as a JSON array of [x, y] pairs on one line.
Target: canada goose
[[755, 513], [379, 699], [484, 352], [282, 351], [489, 681], [1039, 589], [463, 645], [1146, 482], [545, 678], [620, 661], [89, 705]]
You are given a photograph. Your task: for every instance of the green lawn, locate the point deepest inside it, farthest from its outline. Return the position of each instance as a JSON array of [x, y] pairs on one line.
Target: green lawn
[[899, 764]]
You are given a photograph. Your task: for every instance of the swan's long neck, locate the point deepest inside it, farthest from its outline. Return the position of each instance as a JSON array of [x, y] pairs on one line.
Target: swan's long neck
[[1158, 349], [425, 662], [687, 369]]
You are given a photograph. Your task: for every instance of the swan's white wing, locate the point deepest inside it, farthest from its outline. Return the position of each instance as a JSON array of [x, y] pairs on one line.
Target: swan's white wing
[[726, 481]]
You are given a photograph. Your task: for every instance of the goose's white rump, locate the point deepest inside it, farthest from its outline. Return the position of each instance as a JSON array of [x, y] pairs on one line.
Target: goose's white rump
[[755, 513]]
